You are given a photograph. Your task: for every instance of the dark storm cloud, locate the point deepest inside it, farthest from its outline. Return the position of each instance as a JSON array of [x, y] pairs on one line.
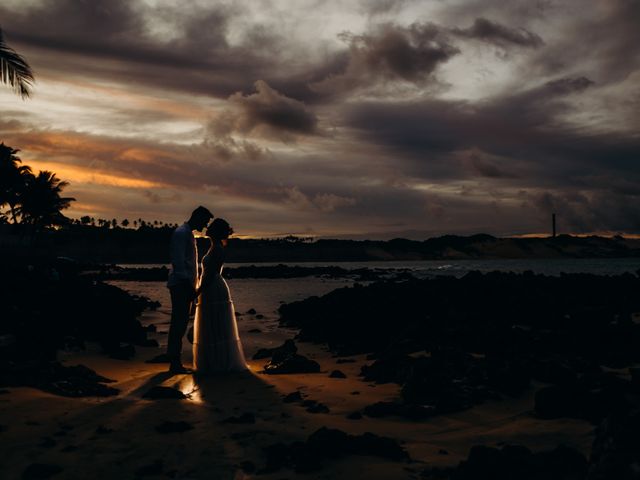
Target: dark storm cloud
[[193, 56], [492, 32], [267, 113], [516, 137], [520, 128], [390, 52]]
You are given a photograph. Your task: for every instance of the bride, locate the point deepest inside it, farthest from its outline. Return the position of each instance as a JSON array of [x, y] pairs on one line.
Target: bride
[[216, 343]]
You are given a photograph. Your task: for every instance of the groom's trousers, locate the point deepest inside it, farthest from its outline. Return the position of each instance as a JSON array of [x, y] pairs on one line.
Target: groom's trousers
[[181, 298]]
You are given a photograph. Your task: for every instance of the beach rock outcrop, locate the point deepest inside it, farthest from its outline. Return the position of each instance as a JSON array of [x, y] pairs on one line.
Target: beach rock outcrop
[[164, 393], [53, 377], [516, 462], [325, 444], [616, 448]]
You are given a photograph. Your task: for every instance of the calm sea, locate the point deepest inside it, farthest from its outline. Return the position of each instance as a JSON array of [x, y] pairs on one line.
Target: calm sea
[[427, 268]]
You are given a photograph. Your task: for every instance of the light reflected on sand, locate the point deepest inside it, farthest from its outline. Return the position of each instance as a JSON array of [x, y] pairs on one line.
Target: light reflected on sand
[[211, 389]]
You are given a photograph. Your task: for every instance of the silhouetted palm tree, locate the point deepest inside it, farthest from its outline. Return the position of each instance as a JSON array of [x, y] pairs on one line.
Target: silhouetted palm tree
[[41, 204], [14, 70], [13, 178]]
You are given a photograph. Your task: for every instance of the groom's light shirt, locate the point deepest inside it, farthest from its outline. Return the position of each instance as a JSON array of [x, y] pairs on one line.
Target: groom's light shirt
[[184, 266]]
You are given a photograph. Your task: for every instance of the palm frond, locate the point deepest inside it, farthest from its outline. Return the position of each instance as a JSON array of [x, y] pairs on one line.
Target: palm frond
[[14, 70]]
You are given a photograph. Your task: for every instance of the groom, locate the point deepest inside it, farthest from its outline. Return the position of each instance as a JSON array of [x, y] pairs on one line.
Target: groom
[[182, 282]]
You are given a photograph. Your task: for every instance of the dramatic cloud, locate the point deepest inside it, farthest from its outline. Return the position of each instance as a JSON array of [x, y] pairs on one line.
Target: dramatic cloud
[[492, 32], [388, 53], [383, 118], [267, 113]]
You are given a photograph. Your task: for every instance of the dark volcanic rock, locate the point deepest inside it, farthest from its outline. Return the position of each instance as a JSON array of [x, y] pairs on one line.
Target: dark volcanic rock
[[292, 397], [591, 397], [318, 407], [39, 471], [337, 374], [53, 377], [173, 427], [327, 443], [518, 462], [616, 448], [160, 392], [292, 364], [278, 353]]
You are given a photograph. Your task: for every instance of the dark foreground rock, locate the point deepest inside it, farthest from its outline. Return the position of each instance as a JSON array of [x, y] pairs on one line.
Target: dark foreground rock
[[515, 462], [53, 377], [616, 448], [285, 359], [164, 393], [292, 364], [40, 471], [287, 348], [325, 444], [452, 343]]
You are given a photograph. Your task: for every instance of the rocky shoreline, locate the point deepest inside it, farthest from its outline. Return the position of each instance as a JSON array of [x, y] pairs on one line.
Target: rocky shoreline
[[47, 306], [451, 344]]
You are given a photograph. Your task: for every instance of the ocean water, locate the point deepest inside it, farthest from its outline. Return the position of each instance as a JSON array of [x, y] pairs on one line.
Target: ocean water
[[427, 268], [266, 295]]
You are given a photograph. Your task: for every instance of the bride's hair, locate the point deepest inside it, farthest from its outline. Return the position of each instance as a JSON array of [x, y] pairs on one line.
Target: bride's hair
[[219, 229]]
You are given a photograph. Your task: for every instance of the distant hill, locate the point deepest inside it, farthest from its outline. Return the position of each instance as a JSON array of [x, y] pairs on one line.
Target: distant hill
[[151, 245]]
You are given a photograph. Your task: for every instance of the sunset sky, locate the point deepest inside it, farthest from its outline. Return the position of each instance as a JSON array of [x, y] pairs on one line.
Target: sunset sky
[[375, 118]]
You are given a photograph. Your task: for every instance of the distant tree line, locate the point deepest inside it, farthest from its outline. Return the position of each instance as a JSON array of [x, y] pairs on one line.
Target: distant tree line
[[136, 224]]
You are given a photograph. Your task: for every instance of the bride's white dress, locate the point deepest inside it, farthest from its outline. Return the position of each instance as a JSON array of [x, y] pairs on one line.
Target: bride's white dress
[[216, 343]]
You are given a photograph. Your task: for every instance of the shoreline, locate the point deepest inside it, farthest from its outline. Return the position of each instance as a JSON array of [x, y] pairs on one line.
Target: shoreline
[[212, 447]]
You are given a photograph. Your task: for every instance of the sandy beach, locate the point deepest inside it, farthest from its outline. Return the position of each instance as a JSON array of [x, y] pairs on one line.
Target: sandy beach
[[117, 437]]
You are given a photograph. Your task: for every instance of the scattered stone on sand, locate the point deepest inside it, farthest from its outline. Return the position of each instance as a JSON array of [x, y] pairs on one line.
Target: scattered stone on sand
[[283, 351], [255, 330], [293, 397], [292, 363], [259, 316], [39, 471], [174, 427], [318, 407], [245, 418], [325, 444], [53, 377], [355, 392], [337, 374], [442, 451], [159, 393], [102, 430], [251, 311], [354, 416]]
